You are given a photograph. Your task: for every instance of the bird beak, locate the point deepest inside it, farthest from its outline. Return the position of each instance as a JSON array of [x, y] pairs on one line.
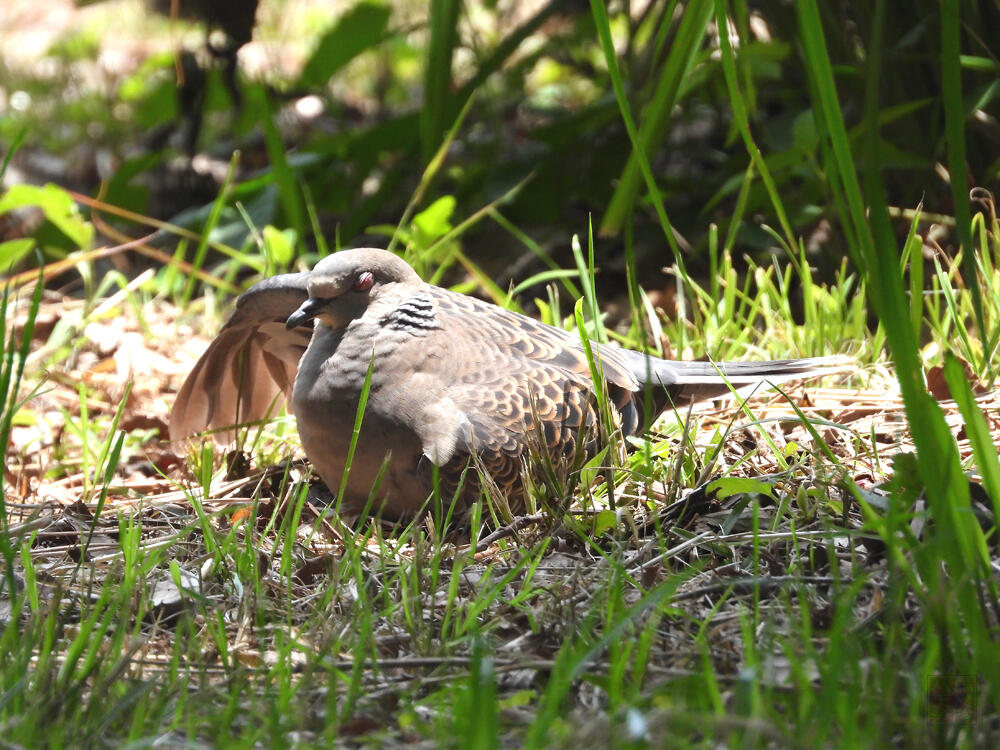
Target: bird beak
[[306, 312]]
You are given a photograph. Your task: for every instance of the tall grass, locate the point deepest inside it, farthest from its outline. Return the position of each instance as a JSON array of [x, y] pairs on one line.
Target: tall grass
[[16, 344], [733, 582]]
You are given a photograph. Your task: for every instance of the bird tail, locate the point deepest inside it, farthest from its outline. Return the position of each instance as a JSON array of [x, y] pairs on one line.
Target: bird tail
[[700, 381], [676, 383]]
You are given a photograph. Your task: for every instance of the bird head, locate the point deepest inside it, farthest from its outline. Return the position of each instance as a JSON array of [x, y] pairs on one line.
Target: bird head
[[344, 285]]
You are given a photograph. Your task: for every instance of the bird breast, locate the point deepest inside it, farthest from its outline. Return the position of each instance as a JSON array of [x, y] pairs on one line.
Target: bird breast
[[394, 344]]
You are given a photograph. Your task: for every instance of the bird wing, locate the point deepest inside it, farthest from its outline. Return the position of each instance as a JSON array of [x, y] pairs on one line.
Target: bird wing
[[248, 370], [507, 379]]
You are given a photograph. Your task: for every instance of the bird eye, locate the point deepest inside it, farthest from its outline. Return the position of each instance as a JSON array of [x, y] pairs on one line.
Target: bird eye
[[364, 282]]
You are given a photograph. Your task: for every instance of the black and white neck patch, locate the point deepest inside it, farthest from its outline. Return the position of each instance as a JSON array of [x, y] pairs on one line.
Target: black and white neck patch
[[416, 315]]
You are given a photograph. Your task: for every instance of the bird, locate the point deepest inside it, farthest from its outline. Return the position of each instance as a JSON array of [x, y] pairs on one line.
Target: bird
[[457, 388]]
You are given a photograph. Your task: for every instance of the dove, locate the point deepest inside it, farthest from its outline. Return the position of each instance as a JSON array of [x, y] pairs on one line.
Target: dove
[[457, 385]]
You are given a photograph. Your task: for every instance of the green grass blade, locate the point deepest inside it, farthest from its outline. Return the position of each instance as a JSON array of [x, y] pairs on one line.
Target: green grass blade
[[356, 432], [976, 428], [289, 193], [954, 120], [13, 357], [430, 172], [437, 74], [743, 122], [689, 36], [843, 178], [15, 144], [210, 223]]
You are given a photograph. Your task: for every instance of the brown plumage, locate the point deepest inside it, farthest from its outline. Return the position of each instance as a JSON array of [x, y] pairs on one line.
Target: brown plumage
[[452, 377]]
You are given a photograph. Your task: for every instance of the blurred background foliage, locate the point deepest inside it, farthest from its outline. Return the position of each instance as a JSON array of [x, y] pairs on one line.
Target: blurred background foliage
[[336, 111]]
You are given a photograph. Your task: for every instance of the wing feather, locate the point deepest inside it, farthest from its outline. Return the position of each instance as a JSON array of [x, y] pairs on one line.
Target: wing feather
[[247, 372], [510, 378]]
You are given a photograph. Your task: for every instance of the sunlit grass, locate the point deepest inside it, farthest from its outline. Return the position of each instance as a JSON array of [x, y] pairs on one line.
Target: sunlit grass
[[816, 568], [218, 616]]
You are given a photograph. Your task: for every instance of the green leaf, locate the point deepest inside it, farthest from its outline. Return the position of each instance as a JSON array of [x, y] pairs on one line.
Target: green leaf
[[13, 250], [595, 465], [434, 221], [729, 486], [57, 206], [545, 312], [804, 132], [604, 521], [279, 246], [359, 29], [791, 449]]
